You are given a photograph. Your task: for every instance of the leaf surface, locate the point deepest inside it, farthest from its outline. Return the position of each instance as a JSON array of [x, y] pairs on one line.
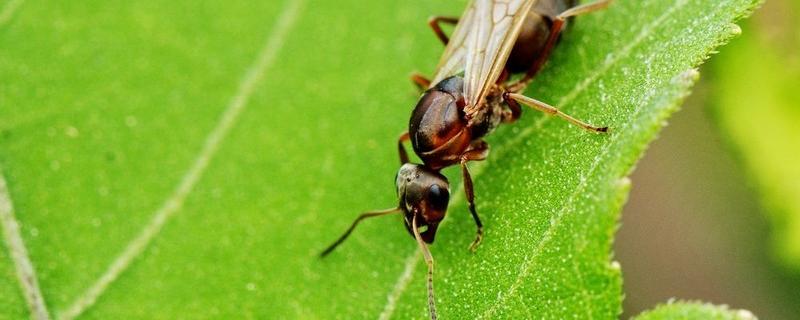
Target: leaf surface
[[165, 164]]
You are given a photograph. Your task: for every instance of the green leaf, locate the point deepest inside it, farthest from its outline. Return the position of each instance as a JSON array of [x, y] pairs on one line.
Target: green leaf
[[192, 158], [682, 310], [756, 97]]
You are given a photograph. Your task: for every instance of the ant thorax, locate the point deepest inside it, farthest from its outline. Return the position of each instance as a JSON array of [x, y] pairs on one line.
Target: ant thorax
[[489, 114]]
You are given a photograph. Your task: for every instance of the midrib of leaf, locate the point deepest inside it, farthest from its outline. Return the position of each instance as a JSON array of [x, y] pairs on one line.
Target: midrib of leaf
[[526, 132]]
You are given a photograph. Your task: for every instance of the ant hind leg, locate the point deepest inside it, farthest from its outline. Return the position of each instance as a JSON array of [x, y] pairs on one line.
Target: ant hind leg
[[435, 21], [555, 31]]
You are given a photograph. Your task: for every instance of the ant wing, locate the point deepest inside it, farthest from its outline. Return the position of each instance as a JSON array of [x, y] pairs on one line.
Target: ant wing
[[495, 25], [454, 56]]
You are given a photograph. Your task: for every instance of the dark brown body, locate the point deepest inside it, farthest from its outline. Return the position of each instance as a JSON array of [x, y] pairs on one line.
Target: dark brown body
[[439, 130], [534, 33], [424, 192], [438, 127]]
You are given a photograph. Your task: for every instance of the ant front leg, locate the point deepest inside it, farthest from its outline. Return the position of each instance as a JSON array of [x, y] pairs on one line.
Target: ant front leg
[[401, 149], [478, 151], [555, 31], [437, 29]]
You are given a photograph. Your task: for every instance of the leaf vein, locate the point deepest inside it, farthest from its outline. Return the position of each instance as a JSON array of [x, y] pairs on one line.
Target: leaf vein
[[9, 10], [26, 273], [401, 285], [252, 77]]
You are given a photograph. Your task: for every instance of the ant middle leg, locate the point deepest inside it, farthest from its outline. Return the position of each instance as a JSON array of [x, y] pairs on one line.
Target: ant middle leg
[[515, 98], [555, 31], [435, 21], [478, 151]]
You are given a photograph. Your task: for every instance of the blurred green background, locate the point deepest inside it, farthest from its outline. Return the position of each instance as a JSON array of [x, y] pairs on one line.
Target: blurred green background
[[713, 213]]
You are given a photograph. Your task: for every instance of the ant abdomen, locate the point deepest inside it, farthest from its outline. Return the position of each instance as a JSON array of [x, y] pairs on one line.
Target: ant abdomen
[[533, 34]]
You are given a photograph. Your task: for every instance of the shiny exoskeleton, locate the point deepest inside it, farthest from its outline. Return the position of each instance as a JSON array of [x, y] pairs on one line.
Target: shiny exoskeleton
[[424, 192], [535, 32], [441, 133], [445, 129]]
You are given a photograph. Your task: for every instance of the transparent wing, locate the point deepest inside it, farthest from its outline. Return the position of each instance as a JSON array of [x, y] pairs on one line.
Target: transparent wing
[[494, 27], [453, 59]]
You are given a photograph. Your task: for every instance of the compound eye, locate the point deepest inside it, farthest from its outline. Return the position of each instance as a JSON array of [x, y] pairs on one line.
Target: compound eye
[[438, 197]]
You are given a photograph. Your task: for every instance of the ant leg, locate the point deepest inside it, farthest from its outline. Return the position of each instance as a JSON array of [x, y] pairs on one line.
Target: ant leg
[[401, 149], [513, 98], [479, 151], [437, 29], [429, 261], [584, 8], [421, 81], [353, 226], [513, 106], [555, 31]]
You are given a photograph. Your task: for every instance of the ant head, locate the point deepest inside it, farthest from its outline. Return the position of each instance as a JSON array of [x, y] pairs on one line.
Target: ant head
[[423, 193]]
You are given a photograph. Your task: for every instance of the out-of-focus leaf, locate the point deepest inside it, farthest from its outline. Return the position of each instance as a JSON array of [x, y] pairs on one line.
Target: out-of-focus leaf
[[682, 310], [756, 91]]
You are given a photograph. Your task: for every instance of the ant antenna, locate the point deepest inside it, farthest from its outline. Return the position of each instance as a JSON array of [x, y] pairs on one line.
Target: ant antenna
[[428, 260], [353, 226]]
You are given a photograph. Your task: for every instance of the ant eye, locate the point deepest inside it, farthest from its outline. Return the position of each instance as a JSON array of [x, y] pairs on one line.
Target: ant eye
[[438, 197]]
